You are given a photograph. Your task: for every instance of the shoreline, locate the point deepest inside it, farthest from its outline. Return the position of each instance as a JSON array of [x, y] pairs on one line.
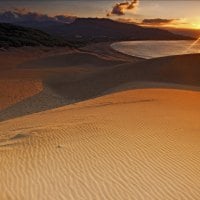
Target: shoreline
[[123, 51]]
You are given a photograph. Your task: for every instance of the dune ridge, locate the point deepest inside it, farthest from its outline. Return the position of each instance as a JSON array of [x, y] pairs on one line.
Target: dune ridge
[[71, 81], [46, 65]]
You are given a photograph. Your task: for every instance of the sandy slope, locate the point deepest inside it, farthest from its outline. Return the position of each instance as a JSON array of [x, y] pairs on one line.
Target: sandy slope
[[26, 73], [138, 144], [14, 91], [15, 84]]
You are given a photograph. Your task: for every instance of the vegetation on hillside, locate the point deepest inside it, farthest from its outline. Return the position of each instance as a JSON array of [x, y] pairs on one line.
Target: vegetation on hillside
[[17, 36]]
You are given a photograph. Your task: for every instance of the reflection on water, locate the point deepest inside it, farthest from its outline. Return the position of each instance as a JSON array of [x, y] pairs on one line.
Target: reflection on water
[[153, 49]]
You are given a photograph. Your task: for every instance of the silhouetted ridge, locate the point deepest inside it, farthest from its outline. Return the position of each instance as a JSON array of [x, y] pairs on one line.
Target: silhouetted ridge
[[97, 29], [102, 30], [17, 36]]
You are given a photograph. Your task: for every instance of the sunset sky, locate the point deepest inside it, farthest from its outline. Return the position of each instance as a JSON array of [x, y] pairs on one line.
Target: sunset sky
[[179, 13]]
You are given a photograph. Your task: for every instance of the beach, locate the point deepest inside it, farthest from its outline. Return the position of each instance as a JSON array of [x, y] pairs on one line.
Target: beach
[[92, 123]]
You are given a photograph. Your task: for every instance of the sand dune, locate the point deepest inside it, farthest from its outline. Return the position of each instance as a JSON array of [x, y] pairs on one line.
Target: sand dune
[[14, 91], [123, 127], [17, 85], [70, 82], [71, 60], [182, 70], [22, 77], [138, 144]]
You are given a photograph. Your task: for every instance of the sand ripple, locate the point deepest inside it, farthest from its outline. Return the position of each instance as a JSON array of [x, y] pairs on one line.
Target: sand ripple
[[115, 147]]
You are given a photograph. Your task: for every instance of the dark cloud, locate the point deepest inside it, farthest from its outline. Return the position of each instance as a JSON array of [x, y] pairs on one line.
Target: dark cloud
[[158, 21], [121, 8], [24, 15]]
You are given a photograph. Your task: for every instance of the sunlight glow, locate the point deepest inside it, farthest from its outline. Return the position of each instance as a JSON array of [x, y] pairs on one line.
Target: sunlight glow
[[193, 44], [196, 26]]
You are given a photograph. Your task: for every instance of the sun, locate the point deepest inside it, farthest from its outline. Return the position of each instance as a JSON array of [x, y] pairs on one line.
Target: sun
[[196, 25]]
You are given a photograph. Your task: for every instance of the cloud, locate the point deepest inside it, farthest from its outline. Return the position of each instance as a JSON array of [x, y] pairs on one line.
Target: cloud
[[121, 8], [24, 15], [127, 20], [158, 22]]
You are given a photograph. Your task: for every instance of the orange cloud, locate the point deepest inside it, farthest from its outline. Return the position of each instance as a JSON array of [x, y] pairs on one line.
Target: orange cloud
[[158, 22], [121, 8]]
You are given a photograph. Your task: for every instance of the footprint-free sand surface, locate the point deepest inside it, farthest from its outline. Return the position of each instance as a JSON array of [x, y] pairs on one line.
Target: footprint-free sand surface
[[96, 124], [137, 144]]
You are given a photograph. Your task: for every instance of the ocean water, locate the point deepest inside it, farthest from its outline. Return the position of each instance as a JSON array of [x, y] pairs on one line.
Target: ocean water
[[154, 49]]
